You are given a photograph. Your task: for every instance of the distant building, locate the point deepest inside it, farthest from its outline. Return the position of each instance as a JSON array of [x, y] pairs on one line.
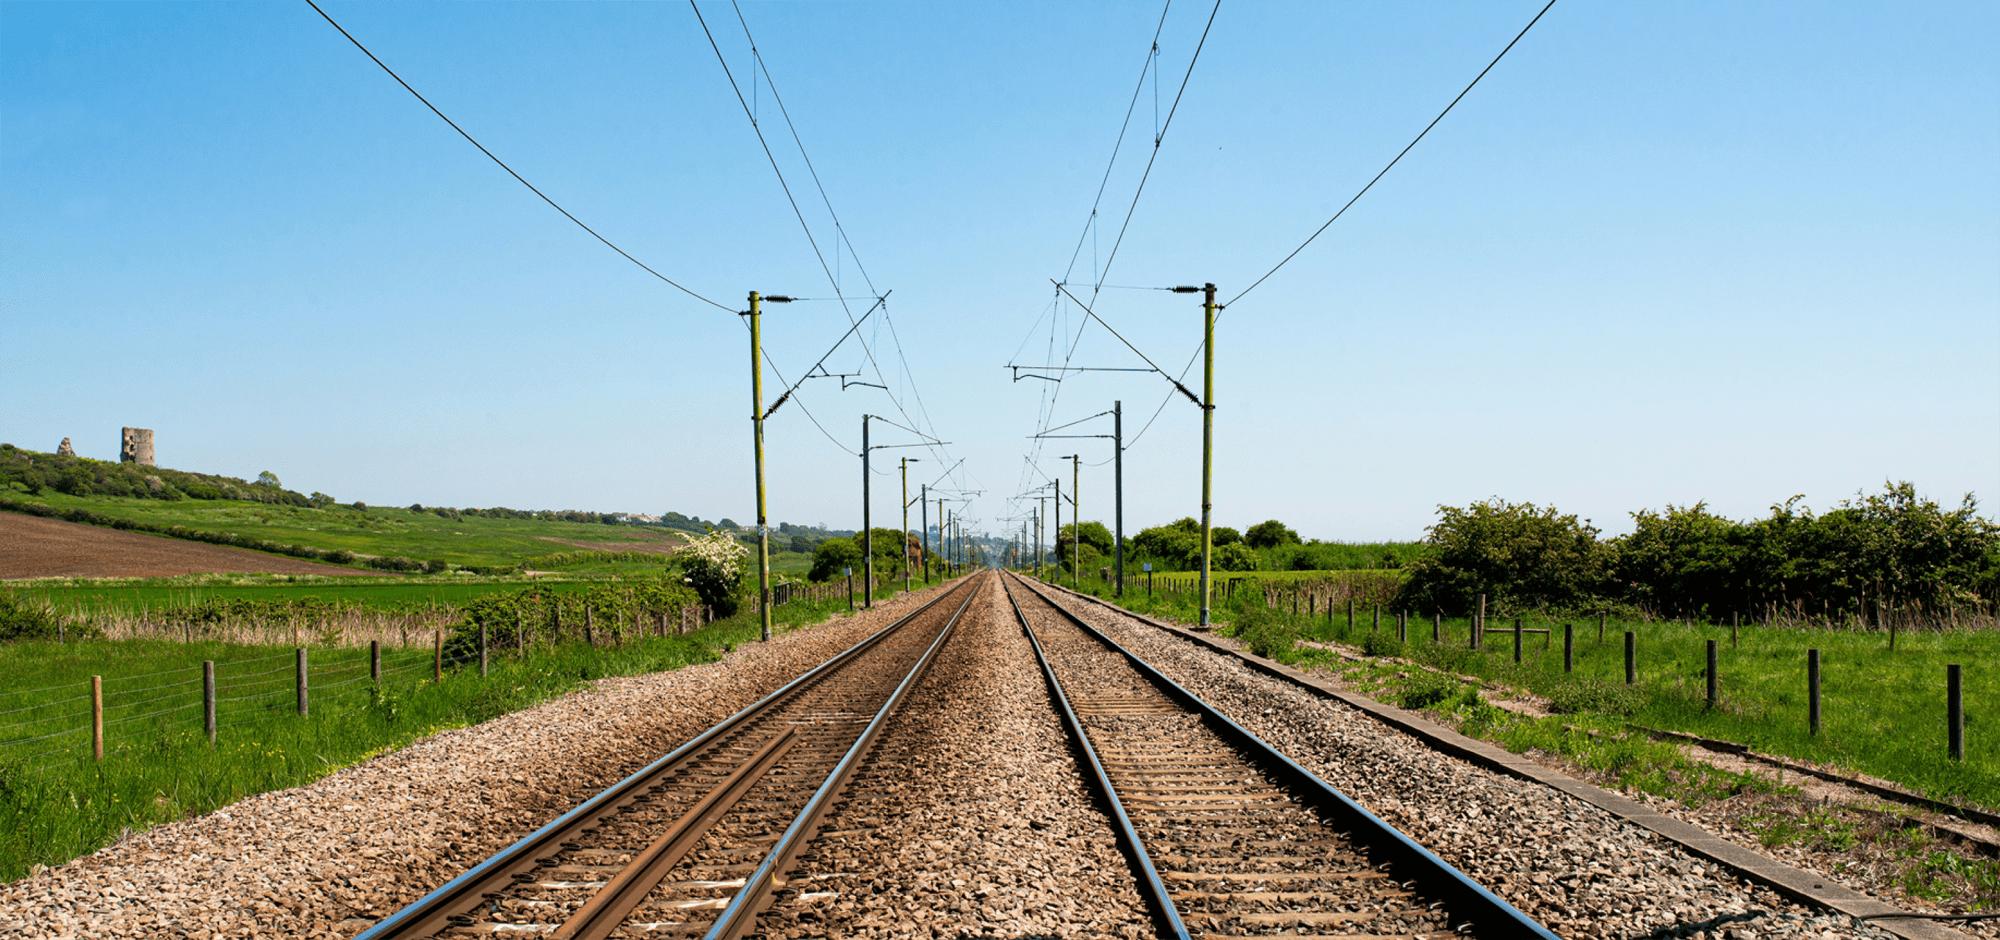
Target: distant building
[[136, 446]]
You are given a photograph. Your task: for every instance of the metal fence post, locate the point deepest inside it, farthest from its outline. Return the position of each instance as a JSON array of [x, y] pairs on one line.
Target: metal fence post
[[208, 699], [1569, 647], [302, 681], [1437, 626], [1517, 639]]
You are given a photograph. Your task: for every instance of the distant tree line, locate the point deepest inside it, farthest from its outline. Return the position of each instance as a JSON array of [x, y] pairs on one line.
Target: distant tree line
[[1891, 550]]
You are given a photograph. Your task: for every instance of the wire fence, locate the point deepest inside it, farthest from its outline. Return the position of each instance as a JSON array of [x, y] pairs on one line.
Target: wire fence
[[107, 714]]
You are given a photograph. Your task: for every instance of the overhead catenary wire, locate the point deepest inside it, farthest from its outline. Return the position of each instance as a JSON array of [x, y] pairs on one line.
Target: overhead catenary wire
[[1054, 393], [798, 213], [1343, 209], [1399, 156], [503, 164]]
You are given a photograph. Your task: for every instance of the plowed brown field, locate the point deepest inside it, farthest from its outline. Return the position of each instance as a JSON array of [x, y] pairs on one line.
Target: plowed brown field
[[33, 547]]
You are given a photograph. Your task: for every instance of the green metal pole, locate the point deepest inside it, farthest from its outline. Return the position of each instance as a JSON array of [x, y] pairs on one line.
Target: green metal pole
[[1076, 503], [757, 422], [1207, 437], [867, 534], [906, 524]]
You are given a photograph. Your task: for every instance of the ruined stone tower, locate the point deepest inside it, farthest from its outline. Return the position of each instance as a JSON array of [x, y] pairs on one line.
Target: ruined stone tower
[[65, 450], [136, 446]]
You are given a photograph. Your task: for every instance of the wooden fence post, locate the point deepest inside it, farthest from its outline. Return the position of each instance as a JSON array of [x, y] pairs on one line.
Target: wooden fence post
[[1713, 680], [482, 649], [1812, 691], [304, 705], [1954, 711], [1631, 658], [375, 661], [1569, 648], [208, 699], [97, 717], [1517, 639]]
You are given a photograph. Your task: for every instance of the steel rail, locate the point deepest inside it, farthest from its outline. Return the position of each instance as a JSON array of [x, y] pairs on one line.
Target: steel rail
[[741, 915], [606, 911], [1157, 896], [1487, 912], [432, 912]]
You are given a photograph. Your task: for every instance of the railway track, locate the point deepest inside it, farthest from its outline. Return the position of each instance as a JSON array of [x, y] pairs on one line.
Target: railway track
[[1228, 836], [670, 850]]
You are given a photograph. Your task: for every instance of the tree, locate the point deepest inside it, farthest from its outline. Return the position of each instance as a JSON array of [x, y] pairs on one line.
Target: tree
[[1221, 535], [267, 478], [1682, 561], [802, 543], [1517, 554], [1171, 545], [1270, 534], [1095, 535], [831, 556], [1235, 556]]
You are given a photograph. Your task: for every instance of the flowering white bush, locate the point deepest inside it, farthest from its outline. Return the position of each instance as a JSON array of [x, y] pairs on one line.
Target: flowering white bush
[[712, 564]]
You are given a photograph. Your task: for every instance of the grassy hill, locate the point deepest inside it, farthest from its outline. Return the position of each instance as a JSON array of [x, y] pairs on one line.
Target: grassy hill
[[157, 498], [467, 540]]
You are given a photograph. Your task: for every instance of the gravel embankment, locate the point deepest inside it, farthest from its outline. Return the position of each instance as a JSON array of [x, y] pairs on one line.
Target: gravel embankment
[[1581, 871], [972, 815], [327, 859]]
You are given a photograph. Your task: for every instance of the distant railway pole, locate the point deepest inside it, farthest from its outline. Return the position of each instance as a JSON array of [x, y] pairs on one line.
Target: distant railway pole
[[757, 416], [1118, 485], [906, 461], [1076, 522], [1208, 309], [867, 535], [924, 520]]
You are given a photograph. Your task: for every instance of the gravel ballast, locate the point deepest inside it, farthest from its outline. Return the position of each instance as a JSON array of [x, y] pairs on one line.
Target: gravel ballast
[[326, 859], [1578, 869], [971, 814]]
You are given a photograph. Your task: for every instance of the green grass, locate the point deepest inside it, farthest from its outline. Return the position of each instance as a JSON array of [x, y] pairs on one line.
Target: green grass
[[1883, 711], [95, 598], [376, 530], [56, 803]]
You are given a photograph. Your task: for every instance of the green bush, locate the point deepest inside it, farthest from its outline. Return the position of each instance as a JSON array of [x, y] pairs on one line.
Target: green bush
[[1382, 643], [339, 556], [1517, 554], [833, 555], [1429, 690], [1577, 695], [21, 622], [393, 563], [1270, 534]]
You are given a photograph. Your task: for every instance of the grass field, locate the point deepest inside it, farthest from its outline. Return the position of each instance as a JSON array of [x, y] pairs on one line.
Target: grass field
[[57, 803], [1882, 711], [97, 598], [376, 530]]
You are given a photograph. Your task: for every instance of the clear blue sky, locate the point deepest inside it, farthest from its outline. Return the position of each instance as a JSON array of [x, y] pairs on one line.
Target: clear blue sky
[[1664, 252]]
